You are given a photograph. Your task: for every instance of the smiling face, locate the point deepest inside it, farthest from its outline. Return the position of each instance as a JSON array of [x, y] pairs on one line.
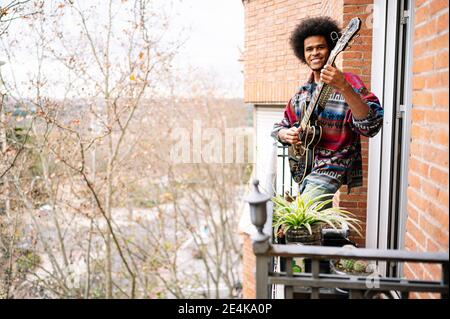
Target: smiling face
[[316, 52]]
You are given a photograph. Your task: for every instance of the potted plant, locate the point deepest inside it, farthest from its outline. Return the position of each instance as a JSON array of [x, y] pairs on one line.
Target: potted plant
[[352, 267], [301, 219]]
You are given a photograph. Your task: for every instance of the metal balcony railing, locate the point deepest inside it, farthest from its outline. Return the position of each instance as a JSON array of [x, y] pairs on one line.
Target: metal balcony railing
[[284, 182], [316, 284]]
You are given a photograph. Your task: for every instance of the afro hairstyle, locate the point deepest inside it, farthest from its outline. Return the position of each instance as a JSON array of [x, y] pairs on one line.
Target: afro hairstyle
[[323, 26]]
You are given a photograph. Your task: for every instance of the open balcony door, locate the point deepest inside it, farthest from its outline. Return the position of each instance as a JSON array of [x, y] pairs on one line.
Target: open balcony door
[[389, 150]]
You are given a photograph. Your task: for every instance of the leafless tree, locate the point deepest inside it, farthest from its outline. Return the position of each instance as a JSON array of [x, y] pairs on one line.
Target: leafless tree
[[104, 209], [17, 9], [117, 82]]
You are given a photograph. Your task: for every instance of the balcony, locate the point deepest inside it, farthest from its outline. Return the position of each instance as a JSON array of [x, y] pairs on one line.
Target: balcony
[[314, 283]]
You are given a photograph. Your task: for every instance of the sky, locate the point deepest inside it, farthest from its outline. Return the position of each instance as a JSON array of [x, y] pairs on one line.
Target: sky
[[214, 31]]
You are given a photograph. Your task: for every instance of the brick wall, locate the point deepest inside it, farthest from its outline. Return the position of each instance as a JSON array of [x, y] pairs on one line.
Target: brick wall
[[248, 266], [271, 71], [334, 9], [428, 201]]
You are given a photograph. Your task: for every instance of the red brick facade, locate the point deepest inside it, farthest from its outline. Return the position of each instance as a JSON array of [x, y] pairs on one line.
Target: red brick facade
[[248, 266], [428, 205], [271, 71]]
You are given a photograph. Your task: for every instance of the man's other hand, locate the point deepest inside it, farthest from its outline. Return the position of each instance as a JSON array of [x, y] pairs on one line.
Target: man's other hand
[[290, 135], [334, 77]]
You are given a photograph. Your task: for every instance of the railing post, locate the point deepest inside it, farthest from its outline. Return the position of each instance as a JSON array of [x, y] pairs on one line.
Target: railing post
[[261, 245], [445, 278], [315, 271]]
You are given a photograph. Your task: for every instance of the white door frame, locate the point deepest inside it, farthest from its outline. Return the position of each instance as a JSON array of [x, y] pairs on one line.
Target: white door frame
[[375, 143], [386, 21]]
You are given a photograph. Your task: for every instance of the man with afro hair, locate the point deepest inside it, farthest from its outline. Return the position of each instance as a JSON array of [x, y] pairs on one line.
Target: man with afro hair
[[350, 111]]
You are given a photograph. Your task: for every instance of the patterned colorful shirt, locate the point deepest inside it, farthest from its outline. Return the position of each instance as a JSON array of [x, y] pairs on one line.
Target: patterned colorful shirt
[[338, 154]]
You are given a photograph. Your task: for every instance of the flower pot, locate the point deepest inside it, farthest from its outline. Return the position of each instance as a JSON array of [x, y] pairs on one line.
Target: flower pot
[[302, 235], [339, 270]]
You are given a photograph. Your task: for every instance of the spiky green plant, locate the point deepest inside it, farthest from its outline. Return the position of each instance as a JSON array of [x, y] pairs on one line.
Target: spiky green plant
[[360, 266], [347, 264], [306, 211]]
